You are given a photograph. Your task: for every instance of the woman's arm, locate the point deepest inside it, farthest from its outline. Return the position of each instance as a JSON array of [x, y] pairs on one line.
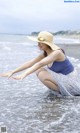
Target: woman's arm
[[50, 58], [23, 67], [28, 64], [47, 60]]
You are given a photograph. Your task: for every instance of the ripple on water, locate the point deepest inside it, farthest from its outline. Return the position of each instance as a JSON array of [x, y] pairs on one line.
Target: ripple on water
[[27, 106]]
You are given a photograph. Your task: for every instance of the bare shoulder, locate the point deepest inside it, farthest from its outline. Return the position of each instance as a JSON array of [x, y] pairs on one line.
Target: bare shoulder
[[58, 54]]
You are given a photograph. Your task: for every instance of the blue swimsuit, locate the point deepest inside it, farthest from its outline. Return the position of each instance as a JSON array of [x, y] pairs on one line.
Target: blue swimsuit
[[65, 67]]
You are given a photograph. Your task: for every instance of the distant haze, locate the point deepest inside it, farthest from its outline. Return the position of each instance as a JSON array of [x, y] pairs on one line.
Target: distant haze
[[26, 16]]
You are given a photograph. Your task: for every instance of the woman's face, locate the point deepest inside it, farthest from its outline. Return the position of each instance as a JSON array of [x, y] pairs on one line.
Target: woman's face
[[42, 46]]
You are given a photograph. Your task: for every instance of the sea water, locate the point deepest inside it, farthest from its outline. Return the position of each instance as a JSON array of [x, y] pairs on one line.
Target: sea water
[[28, 106]]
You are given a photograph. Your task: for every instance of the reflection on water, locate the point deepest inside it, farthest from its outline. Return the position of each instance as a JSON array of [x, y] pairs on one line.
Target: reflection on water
[[28, 106]]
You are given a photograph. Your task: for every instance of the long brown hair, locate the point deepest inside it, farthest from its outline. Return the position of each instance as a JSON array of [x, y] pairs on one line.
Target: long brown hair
[[45, 54]]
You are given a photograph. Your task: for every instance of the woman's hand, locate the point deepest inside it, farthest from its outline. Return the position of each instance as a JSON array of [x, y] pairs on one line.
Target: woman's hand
[[8, 74], [20, 77]]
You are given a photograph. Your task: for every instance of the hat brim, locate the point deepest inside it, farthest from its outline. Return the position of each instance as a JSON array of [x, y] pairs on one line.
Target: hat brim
[[52, 45]]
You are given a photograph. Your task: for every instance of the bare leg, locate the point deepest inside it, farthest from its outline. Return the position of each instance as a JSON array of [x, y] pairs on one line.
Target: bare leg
[[46, 79]]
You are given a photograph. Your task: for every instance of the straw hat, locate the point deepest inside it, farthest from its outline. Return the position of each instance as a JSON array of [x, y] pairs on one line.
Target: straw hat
[[45, 38]]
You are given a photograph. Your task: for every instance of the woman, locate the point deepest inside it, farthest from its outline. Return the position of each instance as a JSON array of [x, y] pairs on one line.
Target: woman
[[53, 68]]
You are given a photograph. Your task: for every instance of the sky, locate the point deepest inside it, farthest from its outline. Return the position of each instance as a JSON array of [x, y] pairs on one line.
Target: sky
[[26, 16]]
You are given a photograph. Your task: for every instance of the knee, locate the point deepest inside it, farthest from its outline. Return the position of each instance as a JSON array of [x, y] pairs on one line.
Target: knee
[[41, 76], [38, 71]]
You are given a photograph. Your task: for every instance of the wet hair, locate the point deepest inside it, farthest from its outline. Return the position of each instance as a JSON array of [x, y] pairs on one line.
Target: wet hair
[[45, 54]]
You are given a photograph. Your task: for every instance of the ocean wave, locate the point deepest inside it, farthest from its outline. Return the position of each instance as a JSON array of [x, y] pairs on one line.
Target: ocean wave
[[57, 40], [60, 40], [18, 43]]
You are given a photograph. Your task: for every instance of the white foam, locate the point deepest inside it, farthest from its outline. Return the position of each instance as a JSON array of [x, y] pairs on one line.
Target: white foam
[[7, 48], [66, 40], [55, 123]]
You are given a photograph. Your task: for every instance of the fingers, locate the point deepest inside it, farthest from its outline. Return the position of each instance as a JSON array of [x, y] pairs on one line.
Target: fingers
[[6, 75], [9, 76], [3, 75], [0, 75], [20, 77], [14, 77], [17, 78]]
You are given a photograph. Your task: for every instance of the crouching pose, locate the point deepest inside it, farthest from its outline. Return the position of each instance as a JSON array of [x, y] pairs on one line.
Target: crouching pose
[[52, 67]]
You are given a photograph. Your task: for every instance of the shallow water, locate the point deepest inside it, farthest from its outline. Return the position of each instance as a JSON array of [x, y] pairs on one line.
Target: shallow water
[[28, 106]]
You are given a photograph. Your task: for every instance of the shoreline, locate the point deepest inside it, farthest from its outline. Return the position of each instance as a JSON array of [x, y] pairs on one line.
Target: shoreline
[[68, 44], [68, 36]]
